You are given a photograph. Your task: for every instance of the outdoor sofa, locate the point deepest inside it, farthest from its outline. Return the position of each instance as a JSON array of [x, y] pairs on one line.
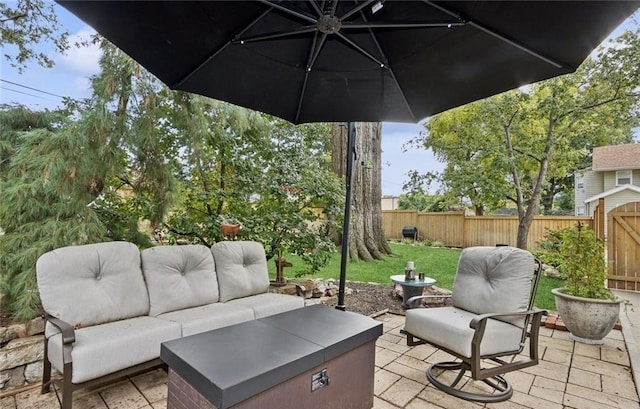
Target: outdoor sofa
[[109, 306]]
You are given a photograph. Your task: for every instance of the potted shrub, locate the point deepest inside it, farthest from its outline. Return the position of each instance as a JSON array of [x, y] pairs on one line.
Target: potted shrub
[[588, 309]]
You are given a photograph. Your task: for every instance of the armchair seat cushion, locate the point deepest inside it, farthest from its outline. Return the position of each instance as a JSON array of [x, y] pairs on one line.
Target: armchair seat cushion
[[103, 349], [267, 304], [208, 317], [448, 327]]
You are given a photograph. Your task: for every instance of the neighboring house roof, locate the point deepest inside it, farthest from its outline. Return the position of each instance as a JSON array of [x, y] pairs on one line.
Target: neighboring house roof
[[616, 157], [632, 188]]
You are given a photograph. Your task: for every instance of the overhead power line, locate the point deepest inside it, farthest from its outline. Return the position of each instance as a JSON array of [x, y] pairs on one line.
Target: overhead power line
[[31, 88], [21, 92]]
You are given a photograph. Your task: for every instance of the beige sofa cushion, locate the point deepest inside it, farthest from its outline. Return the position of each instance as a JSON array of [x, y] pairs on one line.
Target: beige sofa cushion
[[241, 267], [267, 304], [208, 317], [179, 277], [107, 348], [92, 284]]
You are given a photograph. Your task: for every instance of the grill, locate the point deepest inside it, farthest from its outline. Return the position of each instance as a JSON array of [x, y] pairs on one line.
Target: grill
[[410, 232]]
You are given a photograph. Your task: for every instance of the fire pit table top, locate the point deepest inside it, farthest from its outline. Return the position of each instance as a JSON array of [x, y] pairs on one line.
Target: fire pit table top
[[231, 364]]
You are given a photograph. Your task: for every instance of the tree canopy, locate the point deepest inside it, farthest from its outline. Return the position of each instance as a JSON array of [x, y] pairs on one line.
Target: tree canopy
[[520, 146]]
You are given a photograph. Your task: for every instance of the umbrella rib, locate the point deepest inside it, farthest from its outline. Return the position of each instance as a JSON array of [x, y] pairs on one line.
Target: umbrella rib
[[496, 34], [402, 25], [393, 74], [219, 50], [313, 54], [315, 7], [287, 10], [355, 10], [315, 51], [382, 64], [516, 44], [275, 35]]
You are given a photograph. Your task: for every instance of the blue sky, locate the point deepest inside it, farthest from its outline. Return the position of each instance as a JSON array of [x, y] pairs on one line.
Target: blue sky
[[70, 78]]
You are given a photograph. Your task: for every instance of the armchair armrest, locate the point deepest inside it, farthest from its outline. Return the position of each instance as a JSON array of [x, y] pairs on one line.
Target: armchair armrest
[[420, 297], [475, 322], [68, 336], [479, 323]]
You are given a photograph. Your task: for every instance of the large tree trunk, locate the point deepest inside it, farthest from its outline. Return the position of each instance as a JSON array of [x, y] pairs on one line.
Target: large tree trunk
[[366, 238]]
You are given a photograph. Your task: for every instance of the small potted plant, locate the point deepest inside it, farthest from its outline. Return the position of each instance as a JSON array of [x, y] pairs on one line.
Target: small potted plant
[[588, 309]]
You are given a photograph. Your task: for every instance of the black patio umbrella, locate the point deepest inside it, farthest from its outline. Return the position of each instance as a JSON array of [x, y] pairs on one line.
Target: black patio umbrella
[[353, 60]]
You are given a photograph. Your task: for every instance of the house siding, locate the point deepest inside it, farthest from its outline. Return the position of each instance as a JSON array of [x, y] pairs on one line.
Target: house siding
[[593, 185], [620, 198], [610, 179]]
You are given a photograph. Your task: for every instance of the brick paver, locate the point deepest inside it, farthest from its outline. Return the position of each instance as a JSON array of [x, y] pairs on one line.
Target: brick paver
[[570, 375]]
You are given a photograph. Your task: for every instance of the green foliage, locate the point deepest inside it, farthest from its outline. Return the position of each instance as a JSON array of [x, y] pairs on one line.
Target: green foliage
[[25, 23], [271, 176], [45, 192], [549, 252], [578, 254], [423, 202], [583, 263]]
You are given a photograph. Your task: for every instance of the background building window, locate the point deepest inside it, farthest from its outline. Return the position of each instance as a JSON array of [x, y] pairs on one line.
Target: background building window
[[579, 181], [623, 177]]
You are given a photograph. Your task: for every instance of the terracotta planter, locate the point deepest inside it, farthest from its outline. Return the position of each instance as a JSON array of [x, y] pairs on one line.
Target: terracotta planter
[[589, 320]]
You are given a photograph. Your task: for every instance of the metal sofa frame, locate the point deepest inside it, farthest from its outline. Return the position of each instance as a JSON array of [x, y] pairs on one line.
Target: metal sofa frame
[[68, 338]]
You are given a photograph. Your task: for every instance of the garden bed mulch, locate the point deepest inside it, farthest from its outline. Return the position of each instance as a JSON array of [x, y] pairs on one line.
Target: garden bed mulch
[[373, 299]]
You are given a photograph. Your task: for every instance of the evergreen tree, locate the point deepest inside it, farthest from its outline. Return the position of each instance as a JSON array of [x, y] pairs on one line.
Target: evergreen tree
[[47, 184]]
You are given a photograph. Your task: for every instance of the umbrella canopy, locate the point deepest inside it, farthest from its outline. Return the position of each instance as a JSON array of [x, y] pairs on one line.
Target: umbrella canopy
[[336, 61], [353, 60]]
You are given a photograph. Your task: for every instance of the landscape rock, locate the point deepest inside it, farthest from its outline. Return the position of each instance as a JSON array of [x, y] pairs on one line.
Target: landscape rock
[[21, 351]]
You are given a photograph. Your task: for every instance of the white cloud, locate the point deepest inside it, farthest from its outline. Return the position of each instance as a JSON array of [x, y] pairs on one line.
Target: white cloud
[[81, 60], [396, 163]]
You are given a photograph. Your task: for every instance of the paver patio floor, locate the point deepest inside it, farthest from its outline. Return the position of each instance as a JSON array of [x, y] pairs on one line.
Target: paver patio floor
[[570, 375]]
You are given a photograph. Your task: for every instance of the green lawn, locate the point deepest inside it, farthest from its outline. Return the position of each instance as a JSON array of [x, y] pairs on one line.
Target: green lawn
[[437, 263]]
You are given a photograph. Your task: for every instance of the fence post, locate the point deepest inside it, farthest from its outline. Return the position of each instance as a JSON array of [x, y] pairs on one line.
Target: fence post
[[599, 218]]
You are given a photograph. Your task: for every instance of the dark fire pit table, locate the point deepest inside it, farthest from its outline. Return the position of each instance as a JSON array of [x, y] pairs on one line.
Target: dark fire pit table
[[312, 357]]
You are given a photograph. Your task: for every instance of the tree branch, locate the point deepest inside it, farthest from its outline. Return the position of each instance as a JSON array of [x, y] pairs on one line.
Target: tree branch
[[13, 18], [186, 233], [601, 103]]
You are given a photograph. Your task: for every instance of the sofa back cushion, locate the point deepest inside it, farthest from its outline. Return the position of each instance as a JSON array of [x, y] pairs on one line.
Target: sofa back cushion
[[92, 284], [179, 277], [241, 267], [494, 279]]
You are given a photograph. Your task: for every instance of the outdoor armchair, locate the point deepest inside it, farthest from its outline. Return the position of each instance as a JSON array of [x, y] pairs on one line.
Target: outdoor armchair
[[489, 321]]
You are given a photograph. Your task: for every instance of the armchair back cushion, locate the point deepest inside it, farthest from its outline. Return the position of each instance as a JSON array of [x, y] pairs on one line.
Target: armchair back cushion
[[179, 277], [241, 267], [494, 279], [92, 284]]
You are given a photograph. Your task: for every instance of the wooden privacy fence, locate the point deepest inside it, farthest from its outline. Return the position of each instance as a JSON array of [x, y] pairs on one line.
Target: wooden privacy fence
[[623, 240], [454, 229]]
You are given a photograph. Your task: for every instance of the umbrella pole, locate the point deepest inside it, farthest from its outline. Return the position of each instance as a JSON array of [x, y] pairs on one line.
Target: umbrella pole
[[351, 141]]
